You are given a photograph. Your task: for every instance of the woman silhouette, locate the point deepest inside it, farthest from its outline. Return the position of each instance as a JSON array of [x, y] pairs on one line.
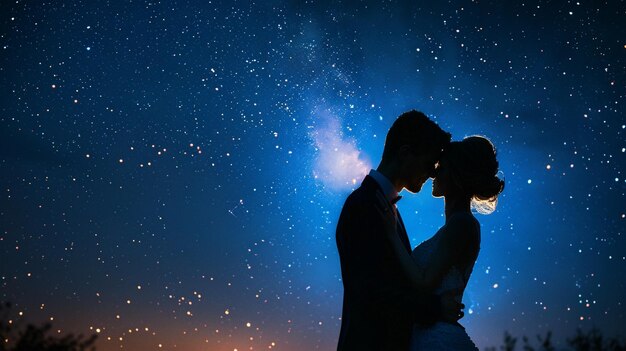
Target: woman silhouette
[[466, 177]]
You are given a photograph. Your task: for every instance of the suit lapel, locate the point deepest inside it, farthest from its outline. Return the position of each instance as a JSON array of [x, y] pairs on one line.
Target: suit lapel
[[403, 235], [370, 183]]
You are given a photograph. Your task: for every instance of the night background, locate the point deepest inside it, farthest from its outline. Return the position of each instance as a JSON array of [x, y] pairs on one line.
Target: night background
[[172, 172]]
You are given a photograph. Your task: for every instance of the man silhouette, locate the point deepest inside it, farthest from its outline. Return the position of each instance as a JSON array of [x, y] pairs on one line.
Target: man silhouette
[[380, 305]]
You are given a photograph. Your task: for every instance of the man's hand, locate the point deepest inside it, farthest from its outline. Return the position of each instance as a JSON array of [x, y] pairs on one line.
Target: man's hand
[[451, 309]]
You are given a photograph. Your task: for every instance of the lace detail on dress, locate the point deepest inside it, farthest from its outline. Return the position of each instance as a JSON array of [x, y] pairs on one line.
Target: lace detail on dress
[[442, 336], [456, 278]]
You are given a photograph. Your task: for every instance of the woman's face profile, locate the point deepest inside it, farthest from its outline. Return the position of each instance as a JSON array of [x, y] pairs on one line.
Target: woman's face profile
[[441, 181]]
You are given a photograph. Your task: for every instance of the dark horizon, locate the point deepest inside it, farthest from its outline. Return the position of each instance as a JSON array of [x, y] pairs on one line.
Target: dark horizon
[[181, 166]]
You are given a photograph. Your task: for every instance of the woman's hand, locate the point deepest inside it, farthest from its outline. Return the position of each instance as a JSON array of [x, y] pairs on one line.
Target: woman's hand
[[451, 308]]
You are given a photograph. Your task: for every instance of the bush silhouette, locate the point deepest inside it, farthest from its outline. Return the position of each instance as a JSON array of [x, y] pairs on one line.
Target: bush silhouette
[[14, 337], [589, 341]]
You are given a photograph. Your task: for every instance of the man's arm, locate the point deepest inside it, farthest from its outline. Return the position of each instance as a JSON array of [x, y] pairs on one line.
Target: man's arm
[[367, 252]]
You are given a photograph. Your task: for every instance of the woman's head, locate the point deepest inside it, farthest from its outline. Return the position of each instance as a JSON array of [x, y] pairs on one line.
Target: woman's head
[[469, 168]]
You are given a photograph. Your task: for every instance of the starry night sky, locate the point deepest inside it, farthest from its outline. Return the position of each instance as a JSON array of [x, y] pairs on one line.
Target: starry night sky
[[171, 173]]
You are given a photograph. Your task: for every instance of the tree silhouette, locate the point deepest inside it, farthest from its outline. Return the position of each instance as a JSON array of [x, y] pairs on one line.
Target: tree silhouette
[[594, 341], [590, 341], [14, 337], [509, 342]]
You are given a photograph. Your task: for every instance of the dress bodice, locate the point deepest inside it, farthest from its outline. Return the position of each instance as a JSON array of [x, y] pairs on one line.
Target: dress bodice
[[443, 336], [456, 278]]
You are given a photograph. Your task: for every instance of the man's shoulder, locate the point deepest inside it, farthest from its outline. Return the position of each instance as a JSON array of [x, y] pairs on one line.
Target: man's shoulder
[[360, 196], [358, 209]]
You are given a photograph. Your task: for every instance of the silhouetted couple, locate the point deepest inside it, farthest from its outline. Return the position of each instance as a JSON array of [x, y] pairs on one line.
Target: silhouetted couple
[[396, 297]]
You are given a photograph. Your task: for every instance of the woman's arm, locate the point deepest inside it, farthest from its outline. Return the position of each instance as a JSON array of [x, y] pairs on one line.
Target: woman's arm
[[421, 278], [453, 243], [458, 244]]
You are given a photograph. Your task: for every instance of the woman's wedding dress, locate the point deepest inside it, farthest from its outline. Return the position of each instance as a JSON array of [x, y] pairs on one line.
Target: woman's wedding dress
[[442, 336]]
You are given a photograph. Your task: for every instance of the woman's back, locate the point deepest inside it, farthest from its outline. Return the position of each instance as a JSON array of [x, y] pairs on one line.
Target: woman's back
[[458, 275], [444, 336]]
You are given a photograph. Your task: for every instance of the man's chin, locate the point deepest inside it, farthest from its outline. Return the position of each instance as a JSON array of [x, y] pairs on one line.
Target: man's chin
[[415, 188]]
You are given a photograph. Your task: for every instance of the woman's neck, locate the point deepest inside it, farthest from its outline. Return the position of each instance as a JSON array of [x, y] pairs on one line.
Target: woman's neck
[[457, 204]]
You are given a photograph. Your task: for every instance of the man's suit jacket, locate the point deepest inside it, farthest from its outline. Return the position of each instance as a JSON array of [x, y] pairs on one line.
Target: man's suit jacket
[[379, 304]]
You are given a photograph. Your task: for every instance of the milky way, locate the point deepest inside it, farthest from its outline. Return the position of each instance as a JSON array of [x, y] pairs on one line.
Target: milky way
[[172, 172]]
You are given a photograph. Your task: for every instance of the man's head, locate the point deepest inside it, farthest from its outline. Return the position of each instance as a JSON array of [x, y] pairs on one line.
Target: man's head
[[413, 146]]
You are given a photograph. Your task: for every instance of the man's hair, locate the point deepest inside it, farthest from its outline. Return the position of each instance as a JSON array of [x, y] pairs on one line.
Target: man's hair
[[414, 129]]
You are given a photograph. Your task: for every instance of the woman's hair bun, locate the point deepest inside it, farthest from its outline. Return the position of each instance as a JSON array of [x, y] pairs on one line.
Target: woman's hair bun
[[476, 171]]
